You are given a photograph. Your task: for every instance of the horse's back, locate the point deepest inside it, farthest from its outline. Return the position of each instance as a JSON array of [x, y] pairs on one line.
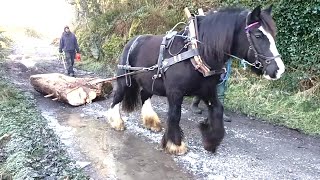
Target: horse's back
[[145, 51]]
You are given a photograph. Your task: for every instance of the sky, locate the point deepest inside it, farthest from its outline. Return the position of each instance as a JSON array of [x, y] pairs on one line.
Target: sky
[[46, 16]]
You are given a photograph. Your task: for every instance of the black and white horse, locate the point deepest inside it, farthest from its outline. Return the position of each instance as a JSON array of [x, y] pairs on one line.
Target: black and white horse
[[231, 31]]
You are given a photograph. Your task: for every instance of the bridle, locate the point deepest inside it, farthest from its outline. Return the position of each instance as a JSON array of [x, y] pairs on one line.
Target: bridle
[[258, 57]]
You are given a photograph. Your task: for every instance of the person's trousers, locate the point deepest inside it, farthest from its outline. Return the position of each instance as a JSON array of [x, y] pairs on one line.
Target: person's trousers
[[221, 88], [220, 91], [70, 56]]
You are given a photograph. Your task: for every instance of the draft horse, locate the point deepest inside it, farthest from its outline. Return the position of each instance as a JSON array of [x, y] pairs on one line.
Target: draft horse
[[249, 35]]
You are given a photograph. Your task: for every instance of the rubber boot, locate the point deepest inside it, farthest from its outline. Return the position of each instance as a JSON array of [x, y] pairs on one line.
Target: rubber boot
[[220, 90], [195, 105]]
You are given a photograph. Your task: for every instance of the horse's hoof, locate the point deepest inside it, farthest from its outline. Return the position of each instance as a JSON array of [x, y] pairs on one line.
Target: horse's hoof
[[210, 147], [116, 123], [152, 123], [171, 148], [156, 128], [117, 126], [114, 118]]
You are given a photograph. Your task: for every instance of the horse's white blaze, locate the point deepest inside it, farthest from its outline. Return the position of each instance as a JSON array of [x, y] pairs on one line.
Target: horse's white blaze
[[275, 52], [150, 118], [114, 117], [267, 77]]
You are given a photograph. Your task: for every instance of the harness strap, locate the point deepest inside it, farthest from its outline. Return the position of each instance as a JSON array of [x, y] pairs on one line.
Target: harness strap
[[166, 63], [204, 67], [160, 58], [133, 45], [197, 62], [178, 58], [129, 68], [200, 66], [215, 72]]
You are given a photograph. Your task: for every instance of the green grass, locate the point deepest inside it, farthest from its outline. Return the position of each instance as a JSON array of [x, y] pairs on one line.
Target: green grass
[[33, 150], [100, 67], [261, 98]]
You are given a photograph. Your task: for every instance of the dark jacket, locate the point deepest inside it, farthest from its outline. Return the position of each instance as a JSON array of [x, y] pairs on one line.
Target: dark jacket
[[68, 42]]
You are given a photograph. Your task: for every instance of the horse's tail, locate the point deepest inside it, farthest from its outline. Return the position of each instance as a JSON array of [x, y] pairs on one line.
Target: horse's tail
[[131, 99]]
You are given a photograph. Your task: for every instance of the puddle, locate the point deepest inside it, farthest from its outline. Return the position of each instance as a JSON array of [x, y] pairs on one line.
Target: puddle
[[101, 151], [109, 154]]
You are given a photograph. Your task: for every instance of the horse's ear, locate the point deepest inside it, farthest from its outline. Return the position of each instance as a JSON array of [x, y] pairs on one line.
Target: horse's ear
[[255, 15], [268, 10]]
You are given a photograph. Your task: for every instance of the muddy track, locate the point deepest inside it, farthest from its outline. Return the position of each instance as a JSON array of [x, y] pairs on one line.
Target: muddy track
[[252, 149]]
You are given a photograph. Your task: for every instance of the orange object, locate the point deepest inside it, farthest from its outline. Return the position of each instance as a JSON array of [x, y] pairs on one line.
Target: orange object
[[78, 56]]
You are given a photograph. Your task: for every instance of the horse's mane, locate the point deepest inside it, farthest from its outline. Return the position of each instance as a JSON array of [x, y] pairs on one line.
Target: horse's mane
[[217, 29], [216, 32]]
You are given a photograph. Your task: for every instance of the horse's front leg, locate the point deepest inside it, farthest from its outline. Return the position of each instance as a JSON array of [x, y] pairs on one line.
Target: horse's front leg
[[172, 138], [150, 118], [212, 129]]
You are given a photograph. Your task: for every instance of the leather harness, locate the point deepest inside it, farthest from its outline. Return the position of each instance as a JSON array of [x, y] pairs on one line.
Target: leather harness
[[164, 64]]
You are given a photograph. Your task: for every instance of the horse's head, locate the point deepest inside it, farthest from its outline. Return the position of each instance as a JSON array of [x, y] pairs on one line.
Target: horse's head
[[262, 52]]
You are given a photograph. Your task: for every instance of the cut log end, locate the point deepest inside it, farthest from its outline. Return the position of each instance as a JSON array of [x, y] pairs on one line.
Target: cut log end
[[74, 91]]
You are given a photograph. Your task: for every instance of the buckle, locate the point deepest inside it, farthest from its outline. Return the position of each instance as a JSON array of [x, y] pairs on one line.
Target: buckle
[[224, 70], [258, 64]]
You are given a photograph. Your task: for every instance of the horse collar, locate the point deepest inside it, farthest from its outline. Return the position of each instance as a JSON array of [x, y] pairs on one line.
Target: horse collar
[[198, 63]]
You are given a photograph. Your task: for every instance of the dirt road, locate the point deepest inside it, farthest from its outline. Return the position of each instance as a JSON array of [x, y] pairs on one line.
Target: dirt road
[[252, 149]]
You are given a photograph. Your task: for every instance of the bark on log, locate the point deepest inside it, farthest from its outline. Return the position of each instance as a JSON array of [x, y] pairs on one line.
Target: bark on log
[[74, 91]]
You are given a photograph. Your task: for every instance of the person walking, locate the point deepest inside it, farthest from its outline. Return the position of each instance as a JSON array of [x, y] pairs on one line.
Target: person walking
[[69, 45], [221, 88]]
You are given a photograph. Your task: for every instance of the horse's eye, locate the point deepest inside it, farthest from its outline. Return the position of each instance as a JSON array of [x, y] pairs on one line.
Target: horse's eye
[[258, 35]]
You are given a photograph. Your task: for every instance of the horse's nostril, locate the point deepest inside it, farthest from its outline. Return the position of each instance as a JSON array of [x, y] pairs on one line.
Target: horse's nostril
[[274, 75], [268, 61]]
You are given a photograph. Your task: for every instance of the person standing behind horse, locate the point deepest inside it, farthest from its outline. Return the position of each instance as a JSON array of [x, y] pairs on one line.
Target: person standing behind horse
[[69, 45], [221, 88]]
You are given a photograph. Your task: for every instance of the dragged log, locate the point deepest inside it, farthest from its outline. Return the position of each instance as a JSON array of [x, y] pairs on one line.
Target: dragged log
[[74, 91]]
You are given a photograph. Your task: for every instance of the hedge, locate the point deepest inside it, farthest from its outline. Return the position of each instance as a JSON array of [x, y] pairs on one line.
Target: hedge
[[298, 24]]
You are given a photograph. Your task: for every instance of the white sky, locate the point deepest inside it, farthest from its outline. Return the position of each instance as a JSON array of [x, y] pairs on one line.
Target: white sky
[[45, 16]]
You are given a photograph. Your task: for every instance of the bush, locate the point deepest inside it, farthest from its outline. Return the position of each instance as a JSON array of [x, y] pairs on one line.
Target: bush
[[298, 31], [297, 22], [298, 34], [29, 32], [5, 44], [112, 48]]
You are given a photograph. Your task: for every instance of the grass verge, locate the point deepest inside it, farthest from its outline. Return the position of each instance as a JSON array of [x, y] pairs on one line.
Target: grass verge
[[99, 67], [258, 97], [29, 149]]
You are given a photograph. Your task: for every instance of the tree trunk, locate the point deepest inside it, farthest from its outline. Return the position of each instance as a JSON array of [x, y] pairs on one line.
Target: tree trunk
[[74, 91]]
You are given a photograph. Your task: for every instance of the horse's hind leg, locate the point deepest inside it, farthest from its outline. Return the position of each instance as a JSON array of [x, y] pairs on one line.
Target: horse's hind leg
[[172, 139], [150, 118], [114, 116]]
